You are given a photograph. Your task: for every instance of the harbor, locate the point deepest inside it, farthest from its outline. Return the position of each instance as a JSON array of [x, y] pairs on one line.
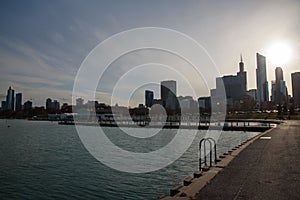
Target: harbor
[[53, 155]]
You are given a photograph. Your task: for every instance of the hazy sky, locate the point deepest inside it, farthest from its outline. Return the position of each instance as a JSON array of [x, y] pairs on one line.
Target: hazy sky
[[43, 43]]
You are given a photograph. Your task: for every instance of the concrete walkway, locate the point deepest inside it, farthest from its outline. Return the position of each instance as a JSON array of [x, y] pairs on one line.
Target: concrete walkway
[[266, 169]]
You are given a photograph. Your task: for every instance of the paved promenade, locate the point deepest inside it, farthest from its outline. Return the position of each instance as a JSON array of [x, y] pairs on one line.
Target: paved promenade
[[266, 169]]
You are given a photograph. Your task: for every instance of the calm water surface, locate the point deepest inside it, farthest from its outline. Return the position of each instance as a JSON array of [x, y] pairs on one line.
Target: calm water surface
[[44, 160]]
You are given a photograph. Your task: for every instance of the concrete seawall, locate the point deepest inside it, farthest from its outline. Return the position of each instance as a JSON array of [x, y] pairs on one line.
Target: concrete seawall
[[266, 169], [192, 187]]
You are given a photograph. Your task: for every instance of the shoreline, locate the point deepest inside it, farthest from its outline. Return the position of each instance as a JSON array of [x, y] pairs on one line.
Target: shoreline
[[191, 186]]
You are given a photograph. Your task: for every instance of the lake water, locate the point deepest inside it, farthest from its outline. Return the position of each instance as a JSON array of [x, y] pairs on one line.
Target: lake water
[[44, 160]]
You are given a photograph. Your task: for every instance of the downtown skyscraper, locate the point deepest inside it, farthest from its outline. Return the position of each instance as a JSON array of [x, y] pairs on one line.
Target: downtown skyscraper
[[18, 101], [149, 95], [261, 80], [10, 99], [281, 90], [168, 94], [296, 88]]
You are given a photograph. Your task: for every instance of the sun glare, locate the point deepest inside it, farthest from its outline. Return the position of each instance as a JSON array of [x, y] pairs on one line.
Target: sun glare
[[279, 54]]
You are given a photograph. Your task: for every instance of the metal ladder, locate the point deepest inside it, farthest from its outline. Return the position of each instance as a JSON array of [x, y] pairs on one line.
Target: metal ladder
[[212, 147]]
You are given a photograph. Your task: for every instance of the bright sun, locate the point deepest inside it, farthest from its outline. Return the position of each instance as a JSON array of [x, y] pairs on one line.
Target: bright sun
[[279, 54]]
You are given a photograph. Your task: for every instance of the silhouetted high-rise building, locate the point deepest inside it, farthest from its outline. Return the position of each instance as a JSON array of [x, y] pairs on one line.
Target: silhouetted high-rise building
[[273, 91], [252, 93], [280, 91], [10, 99], [149, 96], [204, 104], [278, 74], [3, 105], [27, 105], [168, 94], [261, 79], [167, 88], [242, 76], [187, 104], [56, 106], [52, 105], [49, 104], [79, 102], [296, 87], [18, 101], [233, 89]]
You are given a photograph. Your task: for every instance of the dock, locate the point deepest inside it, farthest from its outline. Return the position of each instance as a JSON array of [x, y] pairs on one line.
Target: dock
[[249, 125], [265, 167]]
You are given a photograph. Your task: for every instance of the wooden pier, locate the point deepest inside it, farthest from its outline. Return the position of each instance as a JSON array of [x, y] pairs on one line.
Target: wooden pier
[[249, 125]]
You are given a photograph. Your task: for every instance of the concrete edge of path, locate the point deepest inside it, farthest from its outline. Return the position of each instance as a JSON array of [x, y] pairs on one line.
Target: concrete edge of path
[[193, 185]]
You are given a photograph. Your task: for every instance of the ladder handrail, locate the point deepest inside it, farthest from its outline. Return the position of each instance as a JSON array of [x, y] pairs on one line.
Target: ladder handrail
[[213, 146]]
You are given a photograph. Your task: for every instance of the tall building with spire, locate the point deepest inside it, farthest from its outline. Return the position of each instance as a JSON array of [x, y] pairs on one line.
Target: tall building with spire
[[10, 99], [242, 74], [235, 86], [261, 80]]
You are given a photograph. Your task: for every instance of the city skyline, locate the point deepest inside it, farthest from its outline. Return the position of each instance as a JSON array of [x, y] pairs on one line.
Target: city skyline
[[241, 75], [235, 88], [43, 44]]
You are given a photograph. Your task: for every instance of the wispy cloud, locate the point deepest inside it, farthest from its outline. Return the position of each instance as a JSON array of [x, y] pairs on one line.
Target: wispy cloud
[[42, 44]]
